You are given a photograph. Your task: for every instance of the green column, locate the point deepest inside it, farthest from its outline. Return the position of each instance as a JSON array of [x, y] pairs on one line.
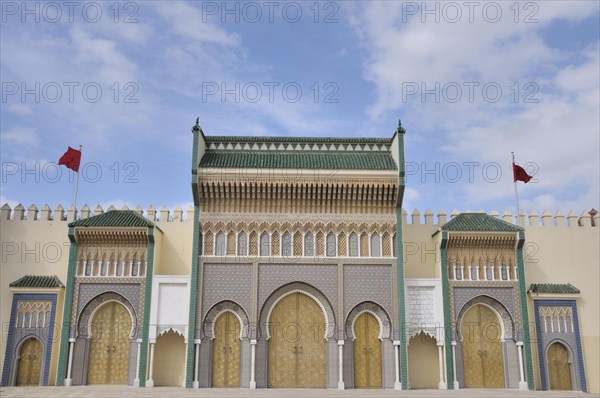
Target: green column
[[68, 307], [147, 300], [524, 314], [189, 366], [446, 304], [400, 260]]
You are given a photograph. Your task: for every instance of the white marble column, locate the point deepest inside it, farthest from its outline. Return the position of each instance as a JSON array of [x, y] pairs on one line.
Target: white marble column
[[341, 365], [454, 381], [68, 380], [183, 383], [150, 381], [442, 383], [397, 383], [196, 382], [252, 364], [522, 382], [136, 381]]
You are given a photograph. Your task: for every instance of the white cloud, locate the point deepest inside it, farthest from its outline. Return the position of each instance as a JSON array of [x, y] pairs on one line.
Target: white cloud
[[21, 135]]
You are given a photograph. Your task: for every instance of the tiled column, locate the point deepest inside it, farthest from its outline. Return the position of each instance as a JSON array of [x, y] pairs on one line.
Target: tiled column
[[196, 383], [68, 380], [136, 381], [253, 364], [397, 383], [522, 383], [442, 383], [150, 381], [454, 382], [341, 364]]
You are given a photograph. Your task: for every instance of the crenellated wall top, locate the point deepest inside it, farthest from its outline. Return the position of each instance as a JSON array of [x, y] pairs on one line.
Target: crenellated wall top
[[179, 215]]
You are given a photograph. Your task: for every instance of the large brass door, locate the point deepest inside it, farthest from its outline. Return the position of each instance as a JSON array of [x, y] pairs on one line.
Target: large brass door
[[367, 352], [558, 367], [482, 349], [109, 345], [226, 351], [30, 363], [297, 346]]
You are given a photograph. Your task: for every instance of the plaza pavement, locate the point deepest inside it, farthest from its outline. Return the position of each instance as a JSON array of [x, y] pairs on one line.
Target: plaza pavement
[[172, 392]]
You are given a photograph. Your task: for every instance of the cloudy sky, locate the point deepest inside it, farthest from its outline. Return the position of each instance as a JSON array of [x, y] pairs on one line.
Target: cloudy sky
[[471, 81]]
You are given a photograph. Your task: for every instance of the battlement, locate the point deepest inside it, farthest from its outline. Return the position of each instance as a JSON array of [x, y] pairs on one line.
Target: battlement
[[164, 214], [45, 214]]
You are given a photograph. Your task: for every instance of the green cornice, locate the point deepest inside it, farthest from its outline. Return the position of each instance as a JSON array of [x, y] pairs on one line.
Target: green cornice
[[147, 301], [524, 312], [189, 368], [446, 305], [68, 308]]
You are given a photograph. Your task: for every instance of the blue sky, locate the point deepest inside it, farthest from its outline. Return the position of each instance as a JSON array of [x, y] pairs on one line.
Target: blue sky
[[470, 83]]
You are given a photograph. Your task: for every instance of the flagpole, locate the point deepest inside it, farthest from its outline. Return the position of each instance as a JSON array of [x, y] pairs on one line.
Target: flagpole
[[76, 186], [516, 191]]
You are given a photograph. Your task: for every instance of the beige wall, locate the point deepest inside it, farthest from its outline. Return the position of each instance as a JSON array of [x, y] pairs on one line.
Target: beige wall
[[423, 362], [569, 255], [32, 248], [169, 360]]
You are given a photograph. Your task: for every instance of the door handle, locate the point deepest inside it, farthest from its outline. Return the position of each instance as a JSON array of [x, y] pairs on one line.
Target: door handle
[[107, 348], [301, 350]]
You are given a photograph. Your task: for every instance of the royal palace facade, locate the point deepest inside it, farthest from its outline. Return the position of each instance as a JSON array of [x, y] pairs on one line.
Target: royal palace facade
[[296, 267]]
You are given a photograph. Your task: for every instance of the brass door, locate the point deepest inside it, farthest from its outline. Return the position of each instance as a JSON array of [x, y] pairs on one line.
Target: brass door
[[558, 367], [367, 352], [30, 363], [226, 351], [109, 345], [482, 349], [297, 346]]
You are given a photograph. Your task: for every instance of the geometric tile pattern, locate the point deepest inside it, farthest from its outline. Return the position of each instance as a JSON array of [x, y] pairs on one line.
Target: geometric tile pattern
[[225, 282], [367, 283], [382, 318]]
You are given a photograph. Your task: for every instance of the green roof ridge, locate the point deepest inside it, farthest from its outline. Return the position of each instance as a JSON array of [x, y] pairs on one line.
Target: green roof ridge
[[299, 160], [553, 288], [479, 222], [40, 281], [114, 218], [339, 140]]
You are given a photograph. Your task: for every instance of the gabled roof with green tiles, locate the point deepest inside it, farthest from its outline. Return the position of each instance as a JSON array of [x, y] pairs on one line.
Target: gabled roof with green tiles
[[114, 218], [38, 281], [307, 140], [479, 222], [553, 288], [298, 153], [298, 160]]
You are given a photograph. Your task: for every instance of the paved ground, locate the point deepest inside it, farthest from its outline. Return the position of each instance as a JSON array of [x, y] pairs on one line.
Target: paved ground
[[165, 392]]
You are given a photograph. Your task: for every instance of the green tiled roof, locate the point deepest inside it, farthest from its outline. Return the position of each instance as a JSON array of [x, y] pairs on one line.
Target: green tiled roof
[[479, 222], [299, 160], [114, 218], [42, 281], [308, 140], [553, 288]]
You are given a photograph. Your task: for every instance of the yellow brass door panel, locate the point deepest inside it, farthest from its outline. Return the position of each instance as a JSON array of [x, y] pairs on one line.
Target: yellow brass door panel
[[30, 363], [558, 368], [367, 352], [226, 352], [296, 345], [109, 345], [310, 357], [482, 349]]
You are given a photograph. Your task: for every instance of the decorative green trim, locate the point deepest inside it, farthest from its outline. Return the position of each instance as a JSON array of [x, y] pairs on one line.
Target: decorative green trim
[[446, 303], [189, 368], [147, 300], [196, 131], [524, 312], [68, 307], [403, 348]]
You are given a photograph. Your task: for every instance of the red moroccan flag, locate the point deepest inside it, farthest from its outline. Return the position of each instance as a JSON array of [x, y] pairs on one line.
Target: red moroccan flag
[[71, 159], [520, 174]]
